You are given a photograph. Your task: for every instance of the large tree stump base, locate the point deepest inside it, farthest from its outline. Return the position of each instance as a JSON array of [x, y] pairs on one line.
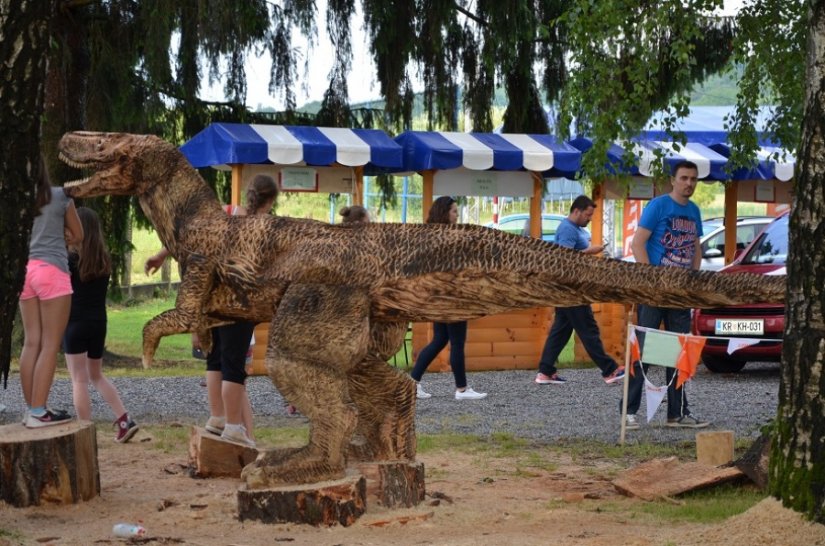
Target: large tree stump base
[[754, 463], [211, 456], [55, 464], [325, 503], [393, 484]]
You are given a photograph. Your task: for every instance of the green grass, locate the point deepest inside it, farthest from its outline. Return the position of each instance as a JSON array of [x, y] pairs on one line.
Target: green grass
[[124, 338], [125, 331], [11, 537], [174, 438], [705, 506]]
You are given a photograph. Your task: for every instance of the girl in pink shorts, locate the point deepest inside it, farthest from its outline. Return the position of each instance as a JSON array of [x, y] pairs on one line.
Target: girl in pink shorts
[[46, 299]]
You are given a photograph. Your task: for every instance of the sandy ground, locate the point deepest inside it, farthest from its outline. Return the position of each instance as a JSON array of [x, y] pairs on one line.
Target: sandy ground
[[471, 499]]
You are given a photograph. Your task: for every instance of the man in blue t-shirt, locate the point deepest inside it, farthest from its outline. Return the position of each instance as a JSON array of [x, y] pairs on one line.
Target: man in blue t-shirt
[[571, 234], [668, 235]]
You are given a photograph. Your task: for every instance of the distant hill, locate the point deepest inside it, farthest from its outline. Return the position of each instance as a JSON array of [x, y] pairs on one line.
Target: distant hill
[[718, 90]]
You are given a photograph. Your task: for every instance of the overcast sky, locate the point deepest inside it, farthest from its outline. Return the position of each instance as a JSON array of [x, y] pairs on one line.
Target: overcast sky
[[362, 84]]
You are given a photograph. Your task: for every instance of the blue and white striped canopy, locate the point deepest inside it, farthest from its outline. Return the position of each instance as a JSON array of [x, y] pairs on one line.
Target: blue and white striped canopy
[[223, 144], [711, 164], [706, 135], [771, 162], [425, 150]]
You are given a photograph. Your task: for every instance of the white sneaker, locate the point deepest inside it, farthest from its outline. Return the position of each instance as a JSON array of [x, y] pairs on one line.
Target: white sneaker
[[469, 394], [215, 424], [631, 423], [420, 393], [237, 434]]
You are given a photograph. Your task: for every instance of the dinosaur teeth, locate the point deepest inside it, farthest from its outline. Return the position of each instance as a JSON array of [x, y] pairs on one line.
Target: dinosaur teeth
[[73, 163], [74, 183]]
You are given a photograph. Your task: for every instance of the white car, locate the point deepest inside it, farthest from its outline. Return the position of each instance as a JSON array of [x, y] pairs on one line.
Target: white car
[[713, 243]]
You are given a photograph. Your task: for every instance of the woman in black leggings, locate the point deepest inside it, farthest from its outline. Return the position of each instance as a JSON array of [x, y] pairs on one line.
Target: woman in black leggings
[[445, 211]]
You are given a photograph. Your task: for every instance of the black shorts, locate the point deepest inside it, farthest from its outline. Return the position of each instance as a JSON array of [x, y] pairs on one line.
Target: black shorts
[[85, 336], [229, 346]]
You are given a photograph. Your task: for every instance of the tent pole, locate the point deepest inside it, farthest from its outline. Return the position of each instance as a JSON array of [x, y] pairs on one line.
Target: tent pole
[[427, 193], [237, 183], [358, 186], [731, 194], [535, 207], [625, 384], [597, 224]]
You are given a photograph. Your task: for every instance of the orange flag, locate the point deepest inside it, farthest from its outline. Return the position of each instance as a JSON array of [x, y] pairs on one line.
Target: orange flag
[[689, 357], [635, 352]]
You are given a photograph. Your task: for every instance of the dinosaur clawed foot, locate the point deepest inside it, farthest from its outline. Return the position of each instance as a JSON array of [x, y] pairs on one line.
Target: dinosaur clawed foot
[[289, 466]]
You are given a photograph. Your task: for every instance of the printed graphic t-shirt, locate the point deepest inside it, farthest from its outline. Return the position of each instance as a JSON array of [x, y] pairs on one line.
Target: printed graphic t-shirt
[[674, 229]]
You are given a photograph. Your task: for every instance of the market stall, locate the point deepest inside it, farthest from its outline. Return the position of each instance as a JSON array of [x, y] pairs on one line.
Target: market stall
[[300, 159], [481, 164]]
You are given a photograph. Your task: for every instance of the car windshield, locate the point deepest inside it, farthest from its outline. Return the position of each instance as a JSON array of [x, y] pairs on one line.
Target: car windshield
[[772, 245]]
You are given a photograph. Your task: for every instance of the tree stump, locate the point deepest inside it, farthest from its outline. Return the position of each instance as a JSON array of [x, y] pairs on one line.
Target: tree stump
[[393, 484], [325, 503], [55, 464], [211, 456]]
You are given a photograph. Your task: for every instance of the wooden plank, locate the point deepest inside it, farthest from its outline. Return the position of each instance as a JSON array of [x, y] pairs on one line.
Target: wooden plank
[[506, 334], [518, 348], [511, 362], [667, 477], [523, 319], [475, 349]]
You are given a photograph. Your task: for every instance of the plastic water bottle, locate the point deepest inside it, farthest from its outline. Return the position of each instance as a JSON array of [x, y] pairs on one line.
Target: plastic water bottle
[[128, 530]]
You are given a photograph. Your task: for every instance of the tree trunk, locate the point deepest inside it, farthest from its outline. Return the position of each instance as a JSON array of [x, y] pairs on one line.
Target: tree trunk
[[797, 467], [24, 46]]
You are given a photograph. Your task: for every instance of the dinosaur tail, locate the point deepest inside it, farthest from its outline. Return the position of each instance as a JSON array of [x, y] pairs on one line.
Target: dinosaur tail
[[529, 273]]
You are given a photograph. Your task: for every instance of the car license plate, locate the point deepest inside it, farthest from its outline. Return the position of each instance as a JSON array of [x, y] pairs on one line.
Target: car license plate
[[737, 327]]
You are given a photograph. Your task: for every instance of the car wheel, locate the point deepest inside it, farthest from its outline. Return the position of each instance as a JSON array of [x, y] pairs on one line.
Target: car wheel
[[721, 364]]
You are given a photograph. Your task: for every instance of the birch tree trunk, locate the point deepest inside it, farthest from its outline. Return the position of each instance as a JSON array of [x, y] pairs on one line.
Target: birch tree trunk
[[797, 467]]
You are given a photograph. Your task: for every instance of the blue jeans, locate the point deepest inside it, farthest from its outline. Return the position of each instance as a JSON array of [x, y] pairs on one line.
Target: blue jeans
[[456, 334], [579, 318], [676, 320]]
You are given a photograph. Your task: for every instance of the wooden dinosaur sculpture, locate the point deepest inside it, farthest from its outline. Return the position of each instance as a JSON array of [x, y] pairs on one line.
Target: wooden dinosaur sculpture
[[339, 298]]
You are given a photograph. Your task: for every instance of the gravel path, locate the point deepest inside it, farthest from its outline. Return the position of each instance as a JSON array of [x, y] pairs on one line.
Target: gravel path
[[583, 408]]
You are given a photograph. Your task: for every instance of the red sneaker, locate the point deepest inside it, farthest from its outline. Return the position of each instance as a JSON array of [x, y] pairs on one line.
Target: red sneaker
[[126, 428]]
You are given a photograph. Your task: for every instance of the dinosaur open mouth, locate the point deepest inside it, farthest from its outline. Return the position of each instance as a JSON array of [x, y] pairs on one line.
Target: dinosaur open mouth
[[83, 166]]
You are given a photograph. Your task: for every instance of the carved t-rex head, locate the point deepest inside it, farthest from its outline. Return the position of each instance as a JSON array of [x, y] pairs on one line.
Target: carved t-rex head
[[123, 164]]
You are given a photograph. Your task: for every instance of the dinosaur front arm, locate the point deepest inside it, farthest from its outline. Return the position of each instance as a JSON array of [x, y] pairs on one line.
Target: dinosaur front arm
[[187, 316]]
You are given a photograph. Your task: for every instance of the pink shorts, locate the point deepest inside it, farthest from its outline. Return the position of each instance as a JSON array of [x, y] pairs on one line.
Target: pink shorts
[[45, 281]]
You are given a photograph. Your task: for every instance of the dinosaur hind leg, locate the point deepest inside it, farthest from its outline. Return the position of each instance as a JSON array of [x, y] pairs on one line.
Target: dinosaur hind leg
[[385, 398], [318, 335]]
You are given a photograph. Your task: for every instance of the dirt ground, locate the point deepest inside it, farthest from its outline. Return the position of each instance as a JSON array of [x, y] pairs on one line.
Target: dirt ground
[[469, 501]]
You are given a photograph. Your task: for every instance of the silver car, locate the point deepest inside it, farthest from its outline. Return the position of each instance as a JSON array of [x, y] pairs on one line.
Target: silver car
[[713, 243]]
